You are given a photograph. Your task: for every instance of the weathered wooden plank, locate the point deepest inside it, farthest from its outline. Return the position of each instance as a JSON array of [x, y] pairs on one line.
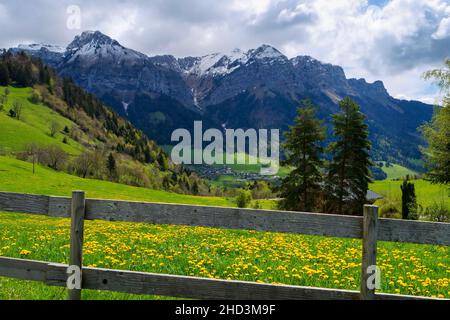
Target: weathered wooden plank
[[369, 253], [76, 237], [196, 288], [24, 203], [414, 232], [172, 285], [230, 218], [23, 269], [59, 207], [233, 218]]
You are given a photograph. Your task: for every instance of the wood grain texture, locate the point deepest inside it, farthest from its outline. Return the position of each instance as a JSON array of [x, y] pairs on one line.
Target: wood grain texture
[[247, 219], [78, 210], [174, 286], [194, 287], [24, 203], [369, 250], [60, 207], [414, 232], [23, 269], [229, 218]]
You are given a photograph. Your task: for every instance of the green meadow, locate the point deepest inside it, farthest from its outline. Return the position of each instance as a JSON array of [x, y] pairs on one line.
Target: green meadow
[[34, 125], [215, 253], [426, 192], [395, 171], [17, 176]]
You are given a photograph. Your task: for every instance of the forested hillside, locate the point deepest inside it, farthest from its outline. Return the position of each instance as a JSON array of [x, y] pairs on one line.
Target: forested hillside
[[52, 121]]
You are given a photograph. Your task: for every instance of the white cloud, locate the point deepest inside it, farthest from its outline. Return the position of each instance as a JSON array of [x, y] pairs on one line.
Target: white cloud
[[394, 42], [443, 30]]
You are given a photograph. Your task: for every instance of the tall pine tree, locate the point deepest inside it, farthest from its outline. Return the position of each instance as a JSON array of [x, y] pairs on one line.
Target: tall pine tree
[[300, 189], [348, 175]]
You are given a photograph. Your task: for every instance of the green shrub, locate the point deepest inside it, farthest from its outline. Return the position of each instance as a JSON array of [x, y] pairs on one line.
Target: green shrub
[[243, 198], [390, 209], [35, 97], [438, 212], [257, 205]]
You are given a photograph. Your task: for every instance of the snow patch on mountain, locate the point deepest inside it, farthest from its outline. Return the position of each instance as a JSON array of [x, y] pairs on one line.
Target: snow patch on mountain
[[125, 106], [91, 45], [220, 64], [39, 46], [267, 52], [216, 63]]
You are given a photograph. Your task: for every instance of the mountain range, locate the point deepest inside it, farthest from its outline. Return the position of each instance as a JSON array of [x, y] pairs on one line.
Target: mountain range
[[258, 88]]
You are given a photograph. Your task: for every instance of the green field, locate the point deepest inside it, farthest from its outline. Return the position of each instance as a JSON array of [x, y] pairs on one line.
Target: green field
[[34, 125], [395, 171], [427, 193], [16, 176], [217, 253]]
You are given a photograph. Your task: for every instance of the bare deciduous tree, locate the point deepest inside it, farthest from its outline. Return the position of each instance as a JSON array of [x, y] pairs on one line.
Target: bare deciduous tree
[[84, 163], [17, 108], [54, 128], [32, 151], [55, 157]]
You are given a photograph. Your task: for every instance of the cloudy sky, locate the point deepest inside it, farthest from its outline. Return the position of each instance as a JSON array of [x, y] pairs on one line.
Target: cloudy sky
[[391, 40]]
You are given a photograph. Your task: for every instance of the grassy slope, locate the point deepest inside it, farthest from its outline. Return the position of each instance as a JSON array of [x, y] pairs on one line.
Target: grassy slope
[[426, 192], [16, 176], [34, 125], [396, 171]]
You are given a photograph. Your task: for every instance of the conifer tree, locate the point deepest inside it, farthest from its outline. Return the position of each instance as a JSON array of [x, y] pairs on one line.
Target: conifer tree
[[4, 75], [409, 203], [300, 189], [111, 165], [348, 174]]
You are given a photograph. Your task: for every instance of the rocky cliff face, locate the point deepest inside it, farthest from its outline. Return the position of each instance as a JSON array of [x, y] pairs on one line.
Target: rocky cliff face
[[259, 88]]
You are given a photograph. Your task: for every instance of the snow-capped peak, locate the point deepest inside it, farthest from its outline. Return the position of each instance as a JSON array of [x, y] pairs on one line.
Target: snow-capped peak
[[39, 46], [266, 52], [94, 44], [218, 64], [92, 38], [211, 64], [304, 60]]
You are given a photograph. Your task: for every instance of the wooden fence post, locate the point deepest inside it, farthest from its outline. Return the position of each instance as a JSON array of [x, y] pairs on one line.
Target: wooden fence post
[[369, 253], [76, 236]]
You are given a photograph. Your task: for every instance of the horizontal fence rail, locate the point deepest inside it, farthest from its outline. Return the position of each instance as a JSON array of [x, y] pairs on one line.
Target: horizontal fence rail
[[176, 286], [368, 227], [230, 218]]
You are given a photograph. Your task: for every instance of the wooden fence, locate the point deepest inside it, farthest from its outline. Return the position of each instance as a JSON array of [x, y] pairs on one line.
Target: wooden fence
[[368, 228]]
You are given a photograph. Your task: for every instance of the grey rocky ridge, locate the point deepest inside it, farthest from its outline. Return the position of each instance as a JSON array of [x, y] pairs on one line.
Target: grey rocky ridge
[[258, 88]]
